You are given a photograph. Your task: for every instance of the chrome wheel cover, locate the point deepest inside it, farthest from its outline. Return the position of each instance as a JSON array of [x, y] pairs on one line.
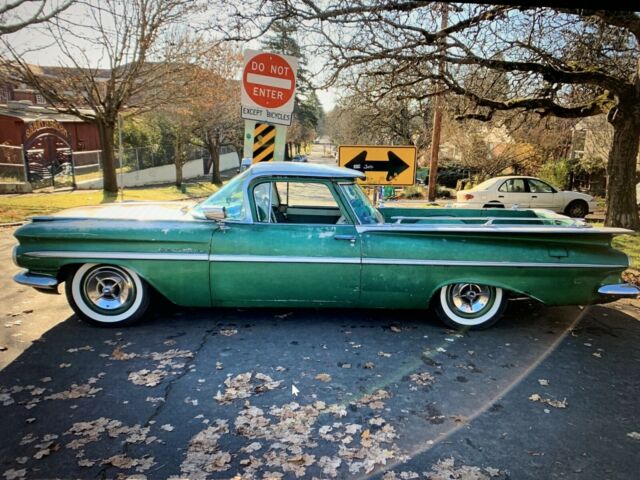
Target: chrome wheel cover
[[470, 299], [108, 289]]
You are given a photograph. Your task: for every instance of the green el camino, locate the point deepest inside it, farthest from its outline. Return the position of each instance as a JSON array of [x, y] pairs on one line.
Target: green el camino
[[295, 234]]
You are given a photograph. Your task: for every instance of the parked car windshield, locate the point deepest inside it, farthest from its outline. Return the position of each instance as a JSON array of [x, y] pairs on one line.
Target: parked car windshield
[[231, 197], [366, 213]]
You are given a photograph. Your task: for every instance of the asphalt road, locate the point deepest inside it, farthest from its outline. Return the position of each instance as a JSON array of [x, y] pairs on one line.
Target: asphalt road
[[207, 393]]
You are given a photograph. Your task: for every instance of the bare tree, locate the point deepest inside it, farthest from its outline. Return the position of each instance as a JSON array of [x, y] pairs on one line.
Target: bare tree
[[568, 63], [215, 109], [144, 51], [18, 14]]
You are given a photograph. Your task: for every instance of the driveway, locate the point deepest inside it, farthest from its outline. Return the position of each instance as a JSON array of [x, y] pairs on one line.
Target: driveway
[[207, 393]]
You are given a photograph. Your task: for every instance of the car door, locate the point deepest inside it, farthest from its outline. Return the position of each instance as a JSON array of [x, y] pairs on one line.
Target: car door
[[514, 191], [301, 248], [542, 195]]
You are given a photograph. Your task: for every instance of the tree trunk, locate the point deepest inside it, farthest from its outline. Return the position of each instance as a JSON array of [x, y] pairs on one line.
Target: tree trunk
[[214, 150], [622, 210], [109, 162], [178, 159]]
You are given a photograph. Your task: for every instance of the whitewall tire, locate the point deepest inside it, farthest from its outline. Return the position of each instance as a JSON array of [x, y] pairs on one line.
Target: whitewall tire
[[470, 305], [107, 295]]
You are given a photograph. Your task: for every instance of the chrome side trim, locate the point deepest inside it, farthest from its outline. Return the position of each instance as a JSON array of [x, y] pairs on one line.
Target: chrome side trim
[[281, 259], [481, 228], [121, 255], [619, 290], [475, 263], [397, 261], [307, 259], [34, 280]]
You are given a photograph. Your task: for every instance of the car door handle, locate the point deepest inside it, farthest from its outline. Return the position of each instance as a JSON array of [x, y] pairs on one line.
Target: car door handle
[[500, 196], [534, 196], [349, 238]]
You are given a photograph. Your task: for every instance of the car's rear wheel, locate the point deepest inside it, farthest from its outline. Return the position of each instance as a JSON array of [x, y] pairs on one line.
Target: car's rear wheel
[[107, 295], [470, 305], [577, 209]]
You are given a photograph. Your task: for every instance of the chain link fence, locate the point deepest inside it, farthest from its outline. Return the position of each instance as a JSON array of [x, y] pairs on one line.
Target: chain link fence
[[86, 166]]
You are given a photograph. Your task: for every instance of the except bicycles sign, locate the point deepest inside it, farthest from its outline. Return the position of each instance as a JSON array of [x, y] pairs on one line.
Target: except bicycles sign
[[268, 87]]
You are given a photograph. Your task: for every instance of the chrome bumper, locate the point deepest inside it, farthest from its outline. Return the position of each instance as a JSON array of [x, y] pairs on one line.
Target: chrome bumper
[[619, 290], [43, 283]]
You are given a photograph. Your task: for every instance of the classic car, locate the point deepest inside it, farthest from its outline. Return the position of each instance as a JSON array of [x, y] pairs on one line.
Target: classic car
[[526, 192], [298, 234]]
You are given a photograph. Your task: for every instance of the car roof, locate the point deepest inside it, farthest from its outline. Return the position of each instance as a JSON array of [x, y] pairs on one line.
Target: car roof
[[297, 169]]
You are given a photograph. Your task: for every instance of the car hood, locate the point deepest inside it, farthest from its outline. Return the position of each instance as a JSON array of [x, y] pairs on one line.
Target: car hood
[[129, 211]]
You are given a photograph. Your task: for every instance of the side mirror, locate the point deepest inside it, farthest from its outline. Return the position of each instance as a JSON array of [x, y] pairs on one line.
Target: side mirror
[[215, 213]]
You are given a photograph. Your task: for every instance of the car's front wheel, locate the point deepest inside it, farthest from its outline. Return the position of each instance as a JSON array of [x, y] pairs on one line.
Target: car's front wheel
[[107, 295], [470, 305]]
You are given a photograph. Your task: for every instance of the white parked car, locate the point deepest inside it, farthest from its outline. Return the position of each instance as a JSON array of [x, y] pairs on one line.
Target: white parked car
[[526, 192]]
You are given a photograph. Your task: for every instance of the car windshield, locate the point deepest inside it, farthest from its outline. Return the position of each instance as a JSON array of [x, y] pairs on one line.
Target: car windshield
[[231, 197], [367, 214]]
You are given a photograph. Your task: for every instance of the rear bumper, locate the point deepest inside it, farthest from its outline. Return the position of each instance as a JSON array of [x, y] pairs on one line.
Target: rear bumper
[[42, 283], [620, 290]]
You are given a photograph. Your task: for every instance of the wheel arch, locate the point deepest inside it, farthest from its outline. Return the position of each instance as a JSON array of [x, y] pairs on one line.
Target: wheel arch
[[509, 290], [68, 269]]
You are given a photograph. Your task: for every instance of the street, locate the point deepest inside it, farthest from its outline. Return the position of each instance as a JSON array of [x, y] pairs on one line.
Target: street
[[207, 393]]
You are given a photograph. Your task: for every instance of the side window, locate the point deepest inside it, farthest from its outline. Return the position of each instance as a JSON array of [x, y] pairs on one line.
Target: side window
[[513, 185], [296, 202], [536, 186]]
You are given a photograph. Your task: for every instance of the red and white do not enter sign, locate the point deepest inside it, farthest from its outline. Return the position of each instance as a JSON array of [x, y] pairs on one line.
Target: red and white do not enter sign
[[269, 80]]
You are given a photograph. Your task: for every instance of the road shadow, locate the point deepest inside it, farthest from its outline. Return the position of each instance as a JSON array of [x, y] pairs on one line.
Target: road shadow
[[378, 390]]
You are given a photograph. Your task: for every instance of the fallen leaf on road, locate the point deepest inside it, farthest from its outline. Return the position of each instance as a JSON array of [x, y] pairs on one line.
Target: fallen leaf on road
[[167, 427], [147, 377], [424, 378], [85, 462], [86, 348], [543, 382], [119, 354], [446, 469], [219, 366], [369, 365], [384, 354], [203, 454], [244, 385], [227, 332], [64, 365], [323, 377], [13, 474], [634, 435], [549, 401], [395, 329], [78, 391]]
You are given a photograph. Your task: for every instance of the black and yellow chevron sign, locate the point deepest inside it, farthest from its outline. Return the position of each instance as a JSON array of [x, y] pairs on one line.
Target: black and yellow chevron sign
[[264, 142]]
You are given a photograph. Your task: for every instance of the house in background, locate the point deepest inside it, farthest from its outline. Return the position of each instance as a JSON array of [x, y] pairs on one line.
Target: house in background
[[36, 141]]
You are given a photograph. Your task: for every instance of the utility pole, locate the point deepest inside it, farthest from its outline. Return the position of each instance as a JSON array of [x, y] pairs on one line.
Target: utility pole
[[437, 122]]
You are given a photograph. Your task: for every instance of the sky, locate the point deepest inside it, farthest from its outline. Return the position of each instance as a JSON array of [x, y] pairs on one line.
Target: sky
[[42, 50]]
